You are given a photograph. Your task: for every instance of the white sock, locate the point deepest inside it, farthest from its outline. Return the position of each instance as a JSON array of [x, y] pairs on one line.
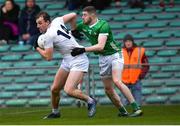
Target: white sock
[[55, 111], [90, 100]]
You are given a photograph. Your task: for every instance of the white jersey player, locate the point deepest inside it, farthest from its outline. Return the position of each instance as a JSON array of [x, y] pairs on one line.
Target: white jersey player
[[56, 36], [63, 41]]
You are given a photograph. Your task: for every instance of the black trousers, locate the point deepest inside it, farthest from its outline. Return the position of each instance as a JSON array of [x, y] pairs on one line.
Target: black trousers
[[6, 33]]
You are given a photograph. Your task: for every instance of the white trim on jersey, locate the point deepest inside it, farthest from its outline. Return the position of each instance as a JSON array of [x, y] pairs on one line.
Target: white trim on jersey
[[103, 34], [94, 23]]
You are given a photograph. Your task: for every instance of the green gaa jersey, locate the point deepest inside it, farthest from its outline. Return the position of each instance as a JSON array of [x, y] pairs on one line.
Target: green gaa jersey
[[100, 27]]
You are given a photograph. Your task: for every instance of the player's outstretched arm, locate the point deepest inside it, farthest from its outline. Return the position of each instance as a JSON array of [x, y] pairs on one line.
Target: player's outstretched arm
[[99, 46]]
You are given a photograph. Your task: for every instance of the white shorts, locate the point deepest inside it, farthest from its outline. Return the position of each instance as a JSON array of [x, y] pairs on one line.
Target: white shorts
[[77, 63], [110, 62]]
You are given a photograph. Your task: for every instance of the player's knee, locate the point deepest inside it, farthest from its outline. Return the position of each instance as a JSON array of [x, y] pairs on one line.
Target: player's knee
[[68, 90], [54, 90], [116, 81], [108, 90]]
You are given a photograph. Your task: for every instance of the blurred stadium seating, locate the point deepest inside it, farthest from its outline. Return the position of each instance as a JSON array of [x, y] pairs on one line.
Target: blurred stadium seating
[[25, 78]]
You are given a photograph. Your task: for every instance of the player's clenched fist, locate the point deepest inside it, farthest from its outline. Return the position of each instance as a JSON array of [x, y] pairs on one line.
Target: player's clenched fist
[[77, 34], [76, 51]]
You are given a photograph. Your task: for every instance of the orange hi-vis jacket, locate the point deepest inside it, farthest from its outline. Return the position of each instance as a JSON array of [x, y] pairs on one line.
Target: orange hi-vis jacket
[[132, 65]]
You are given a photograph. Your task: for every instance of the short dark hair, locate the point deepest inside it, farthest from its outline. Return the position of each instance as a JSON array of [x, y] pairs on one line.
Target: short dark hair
[[129, 37], [45, 16], [90, 9]]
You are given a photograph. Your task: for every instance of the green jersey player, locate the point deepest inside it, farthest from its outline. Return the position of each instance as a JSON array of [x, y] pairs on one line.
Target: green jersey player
[[110, 59], [92, 33]]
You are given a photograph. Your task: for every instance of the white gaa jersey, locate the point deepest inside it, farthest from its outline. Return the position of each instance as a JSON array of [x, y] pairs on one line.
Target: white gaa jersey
[[58, 37]]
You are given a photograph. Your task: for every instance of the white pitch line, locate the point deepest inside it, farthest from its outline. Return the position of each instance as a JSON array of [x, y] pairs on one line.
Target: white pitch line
[[24, 112]]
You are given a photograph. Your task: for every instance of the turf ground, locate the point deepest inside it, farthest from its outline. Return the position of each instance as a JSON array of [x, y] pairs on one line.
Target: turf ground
[[106, 115]]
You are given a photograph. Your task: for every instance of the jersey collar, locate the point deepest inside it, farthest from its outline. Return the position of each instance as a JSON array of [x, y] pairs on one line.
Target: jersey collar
[[94, 23]]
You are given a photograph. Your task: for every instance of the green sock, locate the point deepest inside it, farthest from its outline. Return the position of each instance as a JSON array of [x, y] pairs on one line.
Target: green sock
[[122, 109], [135, 106]]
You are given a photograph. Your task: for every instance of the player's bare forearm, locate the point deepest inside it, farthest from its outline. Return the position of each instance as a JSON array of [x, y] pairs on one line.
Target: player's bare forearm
[[46, 54], [95, 48], [73, 22], [98, 47], [71, 19]]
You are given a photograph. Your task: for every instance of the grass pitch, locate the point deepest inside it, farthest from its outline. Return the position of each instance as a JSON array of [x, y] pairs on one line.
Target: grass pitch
[[106, 115]]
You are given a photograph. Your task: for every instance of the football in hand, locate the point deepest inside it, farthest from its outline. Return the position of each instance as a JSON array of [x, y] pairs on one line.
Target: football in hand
[[41, 41]]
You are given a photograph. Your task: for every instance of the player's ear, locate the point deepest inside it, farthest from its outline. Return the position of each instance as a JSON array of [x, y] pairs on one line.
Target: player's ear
[[48, 22], [92, 14]]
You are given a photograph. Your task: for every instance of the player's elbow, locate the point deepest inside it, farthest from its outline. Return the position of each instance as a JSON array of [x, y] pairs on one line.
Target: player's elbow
[[48, 58], [74, 14], [100, 48]]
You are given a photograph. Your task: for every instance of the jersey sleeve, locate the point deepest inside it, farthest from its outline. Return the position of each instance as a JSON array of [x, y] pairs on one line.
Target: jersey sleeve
[[61, 20], [104, 29], [56, 21]]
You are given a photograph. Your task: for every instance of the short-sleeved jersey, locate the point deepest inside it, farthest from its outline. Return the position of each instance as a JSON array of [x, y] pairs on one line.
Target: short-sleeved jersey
[[101, 27], [57, 36]]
